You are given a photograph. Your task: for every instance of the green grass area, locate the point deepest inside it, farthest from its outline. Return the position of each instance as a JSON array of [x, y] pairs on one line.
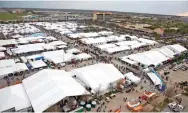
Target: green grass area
[[9, 16]]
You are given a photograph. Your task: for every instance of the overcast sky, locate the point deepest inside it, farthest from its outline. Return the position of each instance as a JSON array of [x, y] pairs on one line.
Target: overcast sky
[[155, 7]]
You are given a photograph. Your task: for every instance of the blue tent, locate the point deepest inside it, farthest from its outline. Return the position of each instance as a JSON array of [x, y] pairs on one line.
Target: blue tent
[[39, 58]]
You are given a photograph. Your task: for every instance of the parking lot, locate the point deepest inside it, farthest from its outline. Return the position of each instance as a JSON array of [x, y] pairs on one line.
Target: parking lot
[[175, 76]]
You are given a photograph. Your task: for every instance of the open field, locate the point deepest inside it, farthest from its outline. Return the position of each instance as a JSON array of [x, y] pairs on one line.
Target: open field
[[9, 16]]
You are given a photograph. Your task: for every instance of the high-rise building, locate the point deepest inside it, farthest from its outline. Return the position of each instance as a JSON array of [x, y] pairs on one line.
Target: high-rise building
[[102, 16]]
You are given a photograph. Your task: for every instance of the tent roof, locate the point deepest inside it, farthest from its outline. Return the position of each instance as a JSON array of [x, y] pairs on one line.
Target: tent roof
[[132, 77], [73, 50], [82, 56], [48, 86], [98, 76], [154, 78], [177, 48], [14, 96], [8, 42], [37, 64], [5, 63]]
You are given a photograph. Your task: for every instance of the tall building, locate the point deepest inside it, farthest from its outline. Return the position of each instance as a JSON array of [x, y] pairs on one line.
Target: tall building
[[102, 16]]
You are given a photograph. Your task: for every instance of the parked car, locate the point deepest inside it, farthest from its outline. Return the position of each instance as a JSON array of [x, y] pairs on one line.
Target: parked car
[[166, 73], [184, 68], [176, 68], [165, 69], [171, 66], [185, 83], [175, 107]]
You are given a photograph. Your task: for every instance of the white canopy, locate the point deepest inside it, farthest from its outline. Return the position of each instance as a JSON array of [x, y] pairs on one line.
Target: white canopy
[[82, 56], [18, 67], [73, 50], [154, 78], [2, 55], [47, 87], [51, 54], [147, 41], [14, 97], [8, 42], [98, 76], [177, 48], [56, 43], [132, 77], [60, 59], [2, 49], [6, 63], [37, 64], [28, 48]]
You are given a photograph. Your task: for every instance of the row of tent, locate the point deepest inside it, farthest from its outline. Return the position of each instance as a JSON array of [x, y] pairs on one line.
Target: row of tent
[[47, 87]]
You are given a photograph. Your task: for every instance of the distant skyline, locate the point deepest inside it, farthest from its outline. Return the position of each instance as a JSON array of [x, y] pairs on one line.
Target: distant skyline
[[152, 7]]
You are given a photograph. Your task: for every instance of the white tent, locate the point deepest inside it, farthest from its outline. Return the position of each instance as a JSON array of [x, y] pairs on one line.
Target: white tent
[[51, 54], [132, 78], [18, 67], [14, 97], [5, 63], [47, 87], [82, 56], [2, 55], [147, 41], [98, 77], [8, 42], [177, 48], [28, 48], [56, 43], [73, 50], [37, 64], [154, 78], [2, 49]]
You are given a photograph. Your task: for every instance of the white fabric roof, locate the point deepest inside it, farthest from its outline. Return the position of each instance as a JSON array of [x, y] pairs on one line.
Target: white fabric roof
[[59, 59], [49, 47], [37, 64], [167, 52], [7, 42], [117, 49], [149, 58], [83, 35], [61, 46], [28, 48], [132, 77], [94, 40], [177, 48], [51, 54], [82, 56], [128, 60], [55, 43], [17, 36], [18, 67], [5, 63], [104, 46], [73, 50], [33, 56], [47, 87], [98, 76], [154, 78], [126, 43], [2, 54], [150, 42], [105, 33], [2, 49], [24, 59], [14, 96]]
